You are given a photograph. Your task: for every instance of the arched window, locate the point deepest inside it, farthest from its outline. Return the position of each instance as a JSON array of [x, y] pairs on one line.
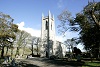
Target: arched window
[[46, 25], [51, 25]]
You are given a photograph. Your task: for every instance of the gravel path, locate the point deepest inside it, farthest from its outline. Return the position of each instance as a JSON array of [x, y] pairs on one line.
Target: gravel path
[[43, 62]]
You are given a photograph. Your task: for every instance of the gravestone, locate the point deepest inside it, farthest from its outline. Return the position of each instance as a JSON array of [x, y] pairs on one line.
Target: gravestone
[[13, 62]]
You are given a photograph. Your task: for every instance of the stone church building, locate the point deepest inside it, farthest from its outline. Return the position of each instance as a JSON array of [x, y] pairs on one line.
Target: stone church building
[[49, 45]]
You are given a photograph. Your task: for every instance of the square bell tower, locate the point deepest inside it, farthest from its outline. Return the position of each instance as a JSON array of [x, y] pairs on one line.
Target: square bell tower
[[47, 35]]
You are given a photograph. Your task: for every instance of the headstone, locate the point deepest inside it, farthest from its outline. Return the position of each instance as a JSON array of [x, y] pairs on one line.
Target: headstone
[[13, 62], [16, 56], [78, 57], [5, 61], [27, 56], [8, 58]]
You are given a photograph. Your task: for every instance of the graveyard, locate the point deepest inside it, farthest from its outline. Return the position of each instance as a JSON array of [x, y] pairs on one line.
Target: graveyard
[[68, 39]]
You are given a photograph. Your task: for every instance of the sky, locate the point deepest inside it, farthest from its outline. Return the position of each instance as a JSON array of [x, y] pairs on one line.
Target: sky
[[27, 13]]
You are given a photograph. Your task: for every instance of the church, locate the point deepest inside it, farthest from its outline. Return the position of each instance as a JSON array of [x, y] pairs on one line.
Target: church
[[49, 45]]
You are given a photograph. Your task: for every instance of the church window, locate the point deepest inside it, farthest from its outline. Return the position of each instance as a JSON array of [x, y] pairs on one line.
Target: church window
[[51, 26], [46, 25]]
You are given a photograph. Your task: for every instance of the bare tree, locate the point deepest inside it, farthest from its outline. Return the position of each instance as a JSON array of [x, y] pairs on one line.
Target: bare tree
[[38, 45], [71, 43], [22, 37], [32, 42]]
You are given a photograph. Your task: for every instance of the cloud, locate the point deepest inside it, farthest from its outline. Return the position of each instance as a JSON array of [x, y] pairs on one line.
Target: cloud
[[60, 3], [33, 32], [21, 25], [37, 33], [59, 38], [81, 47]]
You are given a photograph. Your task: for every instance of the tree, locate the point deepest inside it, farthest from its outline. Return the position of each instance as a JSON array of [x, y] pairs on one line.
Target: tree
[[67, 22], [26, 41], [87, 22], [38, 45], [77, 53], [71, 43], [7, 31], [35, 41], [21, 40]]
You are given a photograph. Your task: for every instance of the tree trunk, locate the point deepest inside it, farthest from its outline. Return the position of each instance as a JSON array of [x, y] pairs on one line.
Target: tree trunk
[[11, 53], [7, 51], [99, 52], [17, 52], [32, 50], [94, 18], [2, 52], [37, 49], [23, 50]]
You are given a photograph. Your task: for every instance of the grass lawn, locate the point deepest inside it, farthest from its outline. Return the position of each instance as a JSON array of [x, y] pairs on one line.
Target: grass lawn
[[84, 63], [92, 64]]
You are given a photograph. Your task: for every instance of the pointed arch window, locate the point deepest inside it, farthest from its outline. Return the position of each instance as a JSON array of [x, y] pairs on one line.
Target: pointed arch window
[[51, 25], [46, 25]]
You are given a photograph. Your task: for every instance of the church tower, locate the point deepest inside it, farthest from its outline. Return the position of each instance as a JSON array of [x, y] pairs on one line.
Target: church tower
[[47, 35]]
